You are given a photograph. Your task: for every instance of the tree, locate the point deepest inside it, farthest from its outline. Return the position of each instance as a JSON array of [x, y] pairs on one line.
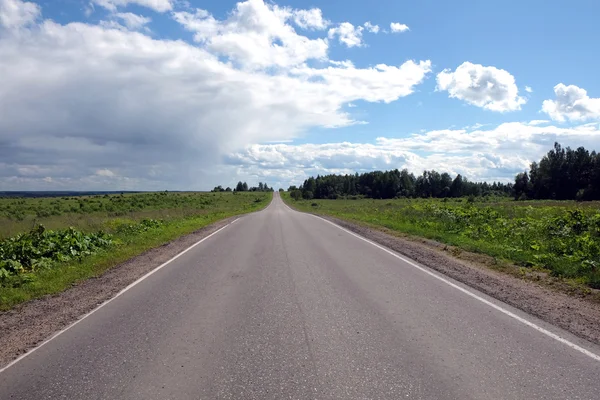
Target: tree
[[239, 187], [445, 183], [309, 188], [521, 186], [456, 187], [244, 187]]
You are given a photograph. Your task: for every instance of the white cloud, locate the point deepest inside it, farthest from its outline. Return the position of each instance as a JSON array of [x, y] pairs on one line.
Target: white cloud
[[156, 5], [347, 34], [133, 21], [528, 89], [255, 34], [105, 172], [310, 19], [162, 113], [496, 154], [487, 87], [538, 122], [572, 103], [371, 28], [398, 27], [15, 14], [380, 83]]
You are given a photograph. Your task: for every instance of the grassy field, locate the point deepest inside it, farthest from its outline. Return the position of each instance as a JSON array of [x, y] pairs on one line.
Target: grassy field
[[561, 238], [84, 236]]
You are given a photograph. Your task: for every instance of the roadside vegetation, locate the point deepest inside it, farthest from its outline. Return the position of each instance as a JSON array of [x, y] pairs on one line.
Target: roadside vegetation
[[561, 238], [47, 244]]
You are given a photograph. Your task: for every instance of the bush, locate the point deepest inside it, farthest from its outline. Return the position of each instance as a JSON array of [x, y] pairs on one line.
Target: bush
[[296, 194], [43, 248]]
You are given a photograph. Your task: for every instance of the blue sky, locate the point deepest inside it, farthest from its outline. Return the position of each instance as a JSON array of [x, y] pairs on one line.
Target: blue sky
[[153, 94]]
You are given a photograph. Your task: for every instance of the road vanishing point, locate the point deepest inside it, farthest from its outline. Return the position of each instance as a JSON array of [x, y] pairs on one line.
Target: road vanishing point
[[285, 305]]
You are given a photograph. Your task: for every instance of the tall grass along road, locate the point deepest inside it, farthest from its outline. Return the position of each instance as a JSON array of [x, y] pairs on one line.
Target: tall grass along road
[[282, 304]]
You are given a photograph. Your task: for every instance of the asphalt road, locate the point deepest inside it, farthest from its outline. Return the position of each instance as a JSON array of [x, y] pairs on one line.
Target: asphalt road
[[283, 305]]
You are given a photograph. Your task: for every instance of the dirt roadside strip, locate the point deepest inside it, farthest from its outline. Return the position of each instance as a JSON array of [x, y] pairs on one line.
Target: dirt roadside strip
[[576, 315], [29, 324]]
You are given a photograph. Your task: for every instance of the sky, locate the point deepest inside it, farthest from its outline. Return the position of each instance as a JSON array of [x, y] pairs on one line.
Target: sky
[[187, 95]]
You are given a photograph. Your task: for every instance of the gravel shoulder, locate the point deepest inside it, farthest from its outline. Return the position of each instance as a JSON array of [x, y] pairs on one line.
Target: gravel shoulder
[[577, 314], [29, 324]]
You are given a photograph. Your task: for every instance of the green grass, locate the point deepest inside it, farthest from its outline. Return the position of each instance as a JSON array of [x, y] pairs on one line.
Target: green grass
[[562, 238], [93, 213], [183, 213]]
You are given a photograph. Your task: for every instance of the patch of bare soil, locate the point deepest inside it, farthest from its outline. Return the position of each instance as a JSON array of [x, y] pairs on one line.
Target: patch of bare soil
[[549, 299], [28, 324]]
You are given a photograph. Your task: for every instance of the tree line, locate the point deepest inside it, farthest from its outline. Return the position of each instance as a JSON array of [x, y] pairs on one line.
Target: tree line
[[396, 183], [562, 174], [243, 187]]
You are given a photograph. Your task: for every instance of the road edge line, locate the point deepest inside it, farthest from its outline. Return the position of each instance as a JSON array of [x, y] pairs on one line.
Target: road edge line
[[122, 291]]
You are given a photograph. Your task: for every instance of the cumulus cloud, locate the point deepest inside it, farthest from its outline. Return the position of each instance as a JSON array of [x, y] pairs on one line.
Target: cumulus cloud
[[310, 19], [571, 103], [487, 87], [156, 5], [80, 98], [381, 83], [347, 34], [15, 14], [528, 89], [256, 35], [397, 27], [133, 21], [371, 28], [495, 154]]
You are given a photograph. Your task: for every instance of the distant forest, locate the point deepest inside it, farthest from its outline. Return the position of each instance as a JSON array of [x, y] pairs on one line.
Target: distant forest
[[243, 187], [63, 193], [562, 174]]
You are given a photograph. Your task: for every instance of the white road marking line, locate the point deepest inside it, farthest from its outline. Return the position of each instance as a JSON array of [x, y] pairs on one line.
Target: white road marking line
[[467, 292], [112, 298]]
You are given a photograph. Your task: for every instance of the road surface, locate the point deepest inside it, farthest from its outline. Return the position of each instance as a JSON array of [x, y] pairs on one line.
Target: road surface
[[283, 305]]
